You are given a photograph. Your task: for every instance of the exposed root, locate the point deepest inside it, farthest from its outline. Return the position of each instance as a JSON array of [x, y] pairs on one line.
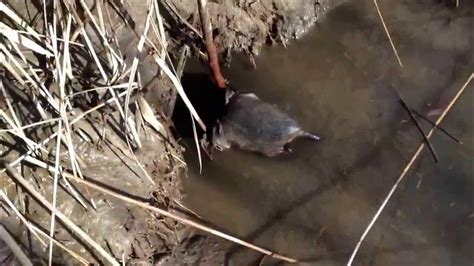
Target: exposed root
[[210, 46]]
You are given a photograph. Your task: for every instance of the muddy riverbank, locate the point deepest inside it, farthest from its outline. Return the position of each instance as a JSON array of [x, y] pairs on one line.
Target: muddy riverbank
[[99, 146]]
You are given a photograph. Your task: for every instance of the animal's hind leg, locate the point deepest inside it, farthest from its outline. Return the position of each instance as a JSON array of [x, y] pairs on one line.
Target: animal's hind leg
[[272, 152]]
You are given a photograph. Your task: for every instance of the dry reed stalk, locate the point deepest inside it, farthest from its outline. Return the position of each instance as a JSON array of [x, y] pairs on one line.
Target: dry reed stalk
[[35, 231], [406, 169], [14, 247], [59, 63], [71, 225], [73, 254], [388, 33], [418, 127], [437, 126], [178, 218]]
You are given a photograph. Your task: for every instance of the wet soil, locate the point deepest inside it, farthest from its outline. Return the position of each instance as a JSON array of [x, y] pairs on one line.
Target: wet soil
[[314, 203], [130, 232], [246, 25]]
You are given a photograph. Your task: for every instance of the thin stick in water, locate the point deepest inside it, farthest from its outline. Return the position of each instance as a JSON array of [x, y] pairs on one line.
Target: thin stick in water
[[413, 119], [388, 34], [405, 170], [438, 127]]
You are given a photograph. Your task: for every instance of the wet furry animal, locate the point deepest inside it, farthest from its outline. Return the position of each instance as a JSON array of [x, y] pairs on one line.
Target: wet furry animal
[[251, 124]]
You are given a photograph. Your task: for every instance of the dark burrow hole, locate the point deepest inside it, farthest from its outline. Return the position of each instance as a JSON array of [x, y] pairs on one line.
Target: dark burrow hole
[[207, 99]]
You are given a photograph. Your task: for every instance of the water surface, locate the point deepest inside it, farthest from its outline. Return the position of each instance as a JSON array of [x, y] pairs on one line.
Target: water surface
[[315, 203]]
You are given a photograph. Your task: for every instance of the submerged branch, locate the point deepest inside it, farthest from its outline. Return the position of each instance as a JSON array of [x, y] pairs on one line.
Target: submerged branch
[[437, 126], [413, 119], [406, 169]]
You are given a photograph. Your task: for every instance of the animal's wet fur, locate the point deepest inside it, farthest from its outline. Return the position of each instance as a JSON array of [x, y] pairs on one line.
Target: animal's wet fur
[[248, 123], [235, 119]]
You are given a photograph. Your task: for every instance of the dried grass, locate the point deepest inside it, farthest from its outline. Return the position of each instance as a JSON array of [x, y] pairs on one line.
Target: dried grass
[[46, 83], [53, 43]]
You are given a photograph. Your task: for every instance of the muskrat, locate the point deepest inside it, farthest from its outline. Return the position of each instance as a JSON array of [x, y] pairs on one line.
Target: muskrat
[[250, 124]]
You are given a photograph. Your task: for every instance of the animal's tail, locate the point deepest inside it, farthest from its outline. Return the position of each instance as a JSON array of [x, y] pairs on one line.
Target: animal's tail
[[309, 136]]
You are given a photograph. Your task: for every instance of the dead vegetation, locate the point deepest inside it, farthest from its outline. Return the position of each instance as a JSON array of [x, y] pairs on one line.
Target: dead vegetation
[[73, 104], [90, 169]]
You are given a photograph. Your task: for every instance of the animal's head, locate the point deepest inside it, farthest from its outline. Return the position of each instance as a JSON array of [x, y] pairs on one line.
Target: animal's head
[[219, 140], [228, 94]]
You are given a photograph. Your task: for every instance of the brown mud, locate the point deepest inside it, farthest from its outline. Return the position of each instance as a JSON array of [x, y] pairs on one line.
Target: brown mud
[[128, 232]]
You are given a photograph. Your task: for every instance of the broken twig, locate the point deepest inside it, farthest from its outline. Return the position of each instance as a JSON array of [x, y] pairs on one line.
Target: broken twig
[[413, 119], [437, 126]]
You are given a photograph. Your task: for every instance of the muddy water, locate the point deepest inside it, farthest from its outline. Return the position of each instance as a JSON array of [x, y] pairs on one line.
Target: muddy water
[[315, 203]]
